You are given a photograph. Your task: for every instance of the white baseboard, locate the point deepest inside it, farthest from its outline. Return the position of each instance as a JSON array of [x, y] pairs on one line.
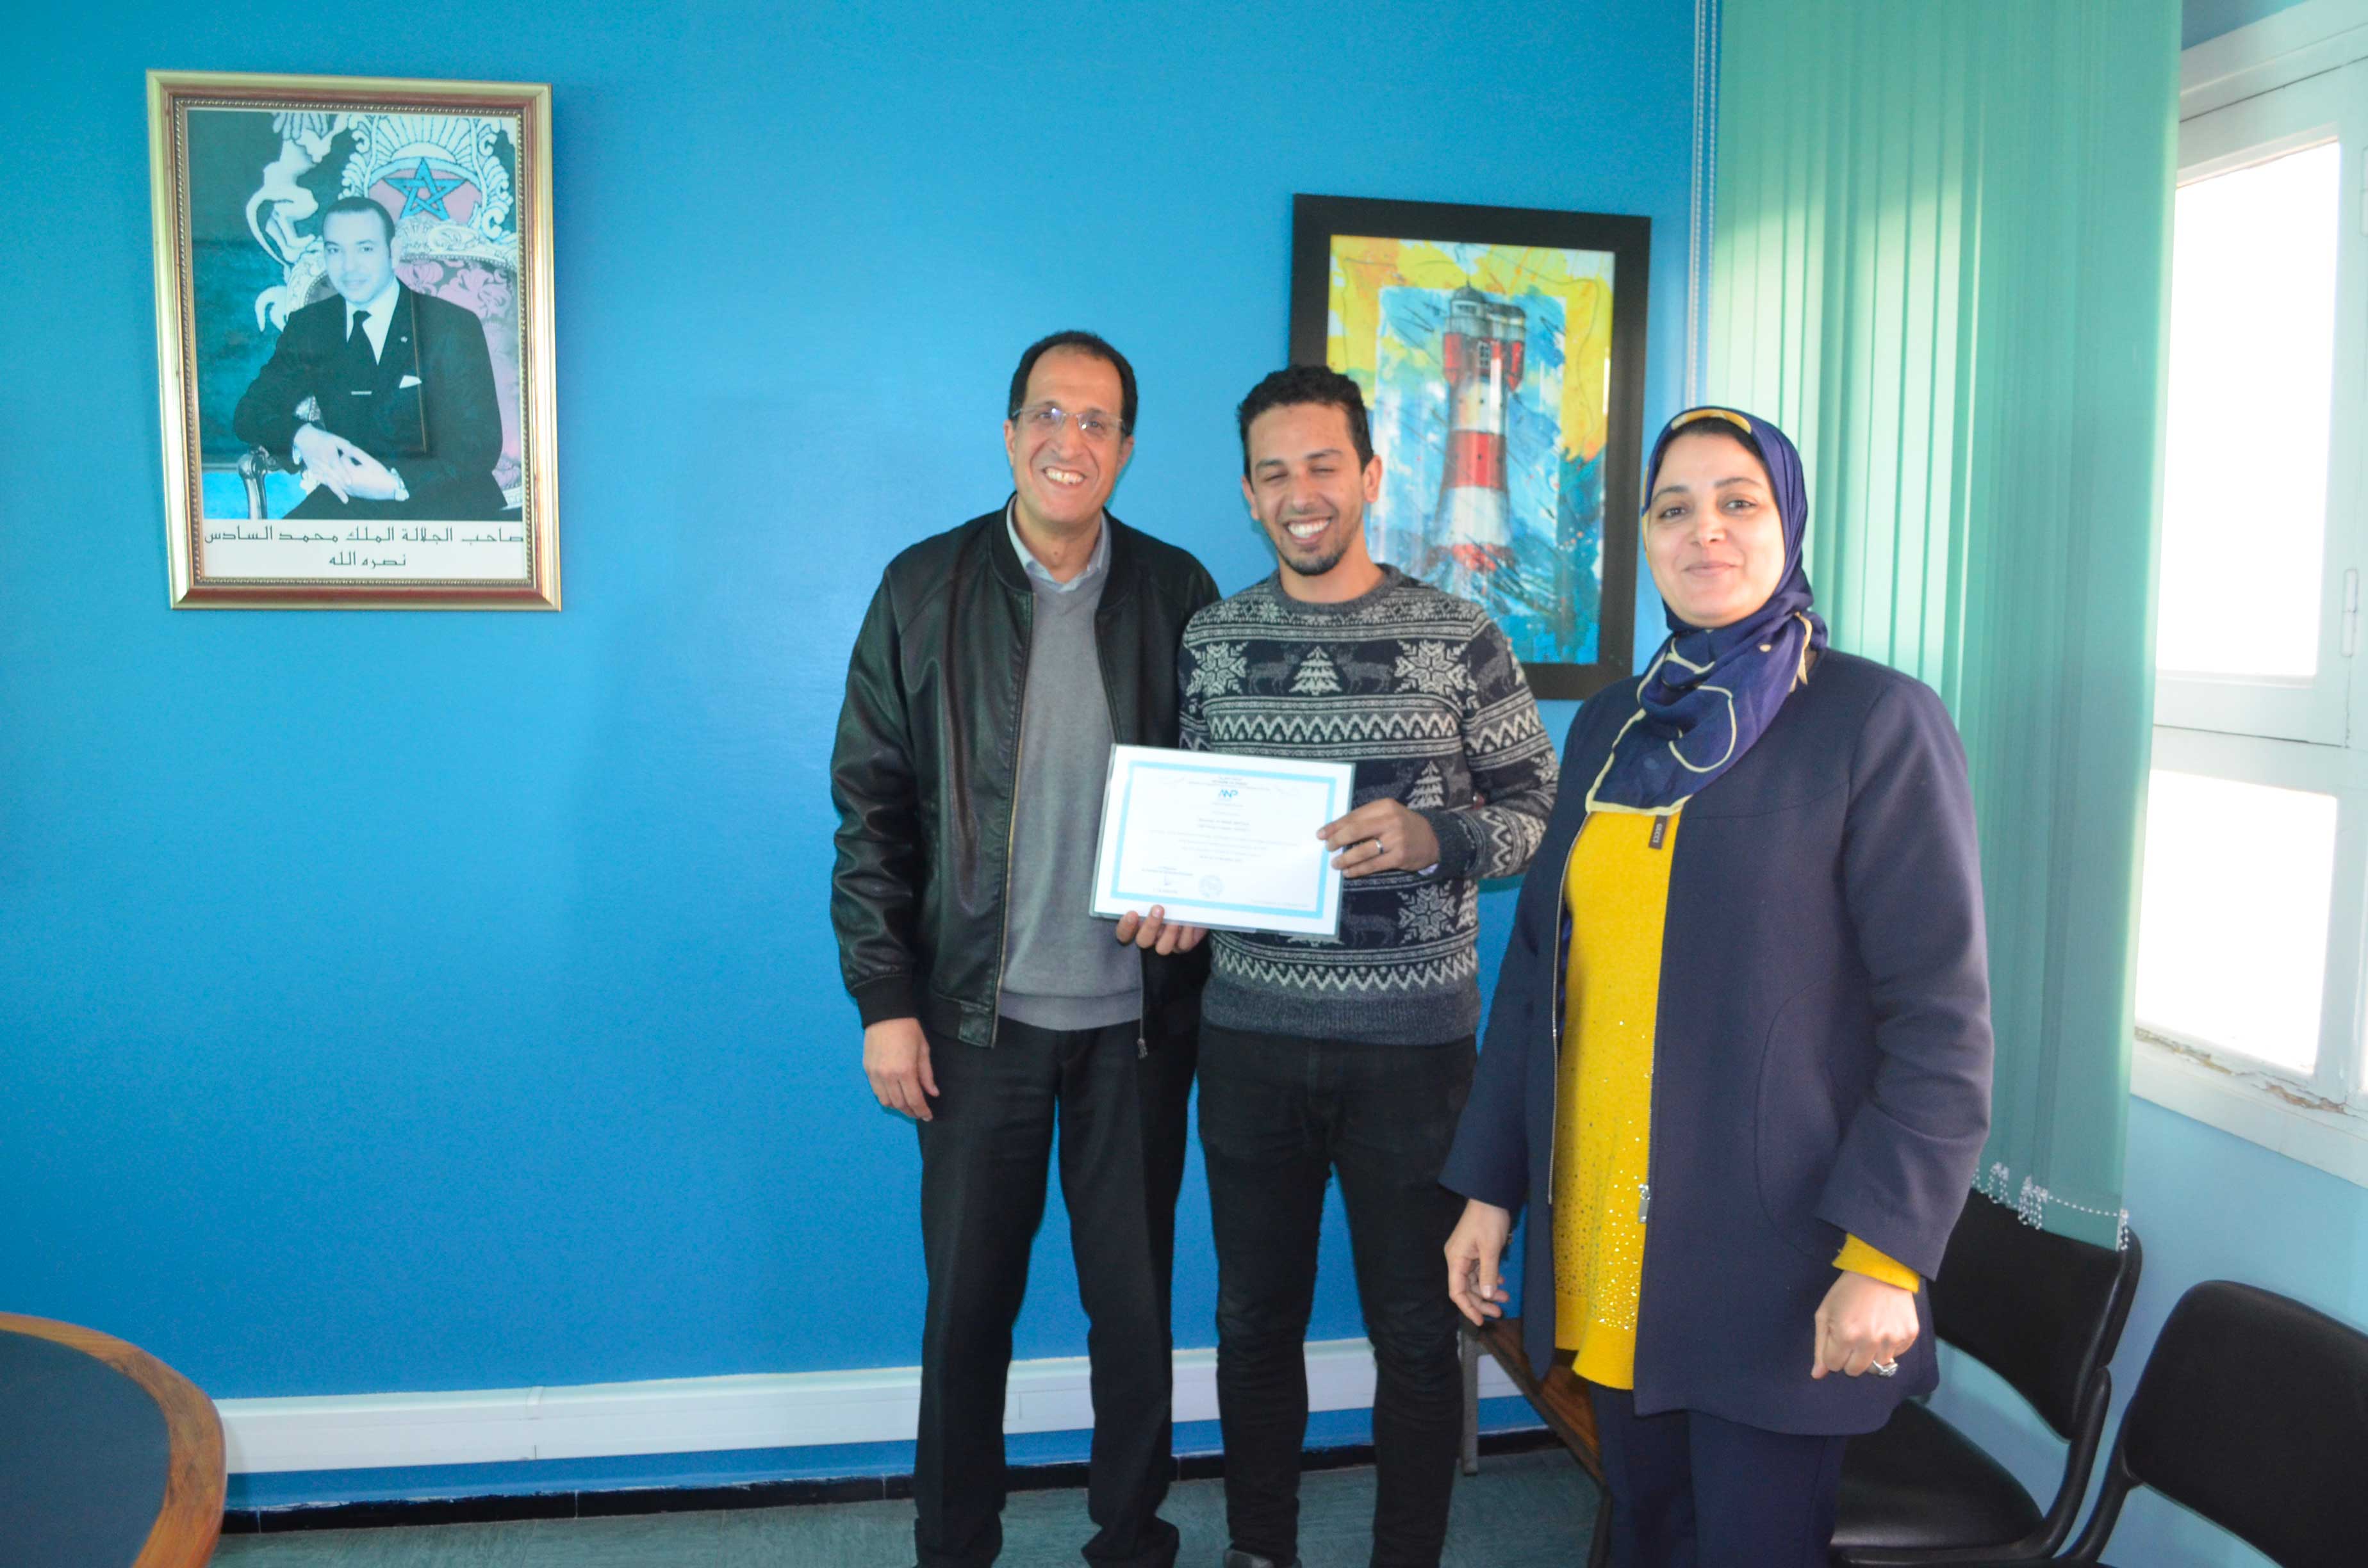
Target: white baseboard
[[679, 1416]]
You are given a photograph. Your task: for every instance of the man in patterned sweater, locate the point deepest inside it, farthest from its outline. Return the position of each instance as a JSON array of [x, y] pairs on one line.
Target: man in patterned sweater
[[1351, 1053]]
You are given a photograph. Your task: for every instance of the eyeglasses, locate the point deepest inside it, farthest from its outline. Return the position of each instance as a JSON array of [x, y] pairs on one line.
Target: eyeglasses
[[1046, 419]]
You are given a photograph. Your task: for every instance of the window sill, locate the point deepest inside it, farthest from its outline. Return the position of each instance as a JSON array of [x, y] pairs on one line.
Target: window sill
[[2253, 1107]]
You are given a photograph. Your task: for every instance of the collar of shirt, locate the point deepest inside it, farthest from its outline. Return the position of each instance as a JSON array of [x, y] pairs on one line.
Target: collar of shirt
[[381, 307], [1036, 569]]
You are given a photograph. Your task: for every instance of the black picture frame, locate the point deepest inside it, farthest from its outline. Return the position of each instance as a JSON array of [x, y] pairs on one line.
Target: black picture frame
[[1317, 221]]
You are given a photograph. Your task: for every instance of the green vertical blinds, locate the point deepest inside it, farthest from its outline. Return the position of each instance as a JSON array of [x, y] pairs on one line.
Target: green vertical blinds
[[1942, 264]]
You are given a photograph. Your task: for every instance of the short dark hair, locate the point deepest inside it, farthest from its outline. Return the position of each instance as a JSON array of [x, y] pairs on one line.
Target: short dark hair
[[1083, 343], [358, 204], [1295, 384]]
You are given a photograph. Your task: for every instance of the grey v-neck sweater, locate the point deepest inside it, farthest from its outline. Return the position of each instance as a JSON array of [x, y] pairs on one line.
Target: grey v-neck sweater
[[1065, 969]]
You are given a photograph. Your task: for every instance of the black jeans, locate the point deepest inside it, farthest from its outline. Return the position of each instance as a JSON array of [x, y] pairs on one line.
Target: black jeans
[[1279, 1115], [983, 1171], [1695, 1491]]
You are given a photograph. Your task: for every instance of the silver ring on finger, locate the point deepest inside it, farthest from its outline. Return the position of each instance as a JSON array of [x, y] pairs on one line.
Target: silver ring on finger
[[1885, 1368]]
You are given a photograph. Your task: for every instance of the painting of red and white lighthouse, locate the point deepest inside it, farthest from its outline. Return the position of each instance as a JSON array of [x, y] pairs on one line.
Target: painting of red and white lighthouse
[[1481, 350], [1494, 347]]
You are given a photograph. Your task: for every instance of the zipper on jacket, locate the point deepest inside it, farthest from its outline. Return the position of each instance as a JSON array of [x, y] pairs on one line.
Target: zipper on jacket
[[1011, 821], [1110, 706], [1652, 1073], [1643, 1213], [1559, 964]]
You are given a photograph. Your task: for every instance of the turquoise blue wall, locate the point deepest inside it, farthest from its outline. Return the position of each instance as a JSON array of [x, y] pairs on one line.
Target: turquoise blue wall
[[400, 1002]]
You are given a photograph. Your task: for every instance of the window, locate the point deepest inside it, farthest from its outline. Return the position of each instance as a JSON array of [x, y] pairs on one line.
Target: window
[[2251, 937]]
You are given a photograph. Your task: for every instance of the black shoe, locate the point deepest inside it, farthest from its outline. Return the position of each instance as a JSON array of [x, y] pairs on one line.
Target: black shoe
[[1237, 1558]]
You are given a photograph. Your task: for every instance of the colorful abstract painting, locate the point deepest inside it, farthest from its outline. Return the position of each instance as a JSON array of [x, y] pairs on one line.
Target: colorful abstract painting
[[1489, 374]]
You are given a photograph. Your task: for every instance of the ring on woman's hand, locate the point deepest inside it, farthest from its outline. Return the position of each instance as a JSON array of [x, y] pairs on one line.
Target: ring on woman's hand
[[1884, 1369]]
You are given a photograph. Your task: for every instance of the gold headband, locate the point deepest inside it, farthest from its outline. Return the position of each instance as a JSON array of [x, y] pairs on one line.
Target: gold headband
[[1690, 416], [1737, 420]]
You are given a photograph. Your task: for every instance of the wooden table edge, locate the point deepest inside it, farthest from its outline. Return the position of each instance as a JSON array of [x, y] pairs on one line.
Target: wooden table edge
[[188, 1522], [1564, 1406]]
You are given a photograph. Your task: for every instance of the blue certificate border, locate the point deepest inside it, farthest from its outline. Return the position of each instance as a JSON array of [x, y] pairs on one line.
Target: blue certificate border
[[1326, 886]]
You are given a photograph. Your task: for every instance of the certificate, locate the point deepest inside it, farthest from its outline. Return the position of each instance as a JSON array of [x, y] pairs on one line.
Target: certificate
[[1221, 840]]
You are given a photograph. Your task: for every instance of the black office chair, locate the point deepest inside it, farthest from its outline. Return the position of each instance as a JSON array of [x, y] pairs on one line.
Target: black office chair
[[2252, 1411], [2043, 1311]]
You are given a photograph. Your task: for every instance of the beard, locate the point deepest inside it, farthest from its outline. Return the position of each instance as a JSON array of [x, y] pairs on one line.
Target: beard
[[1329, 549]]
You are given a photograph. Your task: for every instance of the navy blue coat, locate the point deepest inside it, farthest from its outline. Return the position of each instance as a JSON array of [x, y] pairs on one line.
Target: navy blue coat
[[1821, 1060]]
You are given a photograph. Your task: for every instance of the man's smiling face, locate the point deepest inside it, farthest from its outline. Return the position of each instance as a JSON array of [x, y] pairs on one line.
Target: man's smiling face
[[355, 245], [1064, 476], [1307, 488]]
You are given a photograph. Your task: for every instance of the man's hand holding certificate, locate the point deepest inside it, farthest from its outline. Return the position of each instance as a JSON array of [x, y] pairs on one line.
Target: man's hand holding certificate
[[1381, 836], [1208, 840]]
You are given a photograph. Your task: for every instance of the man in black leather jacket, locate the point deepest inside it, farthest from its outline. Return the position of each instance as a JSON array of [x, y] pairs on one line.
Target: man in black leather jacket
[[997, 665]]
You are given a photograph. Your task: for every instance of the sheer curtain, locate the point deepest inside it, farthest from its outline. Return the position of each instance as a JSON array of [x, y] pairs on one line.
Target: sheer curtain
[[1942, 262]]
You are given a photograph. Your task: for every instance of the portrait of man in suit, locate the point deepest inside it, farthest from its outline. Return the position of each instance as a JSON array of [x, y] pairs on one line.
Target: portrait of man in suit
[[354, 308], [383, 397]]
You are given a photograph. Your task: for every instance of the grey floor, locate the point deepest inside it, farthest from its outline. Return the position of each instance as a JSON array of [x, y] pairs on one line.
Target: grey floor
[[1521, 1510]]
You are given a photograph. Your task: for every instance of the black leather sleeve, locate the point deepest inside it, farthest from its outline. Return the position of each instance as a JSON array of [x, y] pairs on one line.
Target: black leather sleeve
[[1204, 593], [874, 886]]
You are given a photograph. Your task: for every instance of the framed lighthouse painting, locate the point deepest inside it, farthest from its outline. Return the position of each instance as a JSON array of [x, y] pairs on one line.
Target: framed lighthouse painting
[[1501, 352]]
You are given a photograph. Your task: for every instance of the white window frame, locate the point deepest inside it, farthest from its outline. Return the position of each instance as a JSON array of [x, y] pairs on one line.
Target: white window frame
[[2310, 736]]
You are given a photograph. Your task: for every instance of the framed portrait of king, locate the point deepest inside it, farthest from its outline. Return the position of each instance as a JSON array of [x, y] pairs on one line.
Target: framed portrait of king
[[354, 341], [1501, 352]]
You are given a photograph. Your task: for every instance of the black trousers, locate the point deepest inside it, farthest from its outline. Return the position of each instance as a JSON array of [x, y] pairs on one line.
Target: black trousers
[[1694, 1491], [984, 1164], [1279, 1116]]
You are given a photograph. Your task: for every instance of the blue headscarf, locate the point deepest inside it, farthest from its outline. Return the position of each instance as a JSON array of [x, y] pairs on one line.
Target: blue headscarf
[[1709, 694]]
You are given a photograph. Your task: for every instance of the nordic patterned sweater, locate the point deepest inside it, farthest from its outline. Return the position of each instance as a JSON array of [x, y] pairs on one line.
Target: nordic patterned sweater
[[1420, 690]]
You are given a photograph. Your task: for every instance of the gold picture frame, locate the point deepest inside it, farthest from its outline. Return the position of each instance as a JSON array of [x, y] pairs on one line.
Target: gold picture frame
[[356, 414]]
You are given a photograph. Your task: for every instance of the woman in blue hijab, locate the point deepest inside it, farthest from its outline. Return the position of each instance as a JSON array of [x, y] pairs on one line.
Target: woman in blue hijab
[[1737, 1066]]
